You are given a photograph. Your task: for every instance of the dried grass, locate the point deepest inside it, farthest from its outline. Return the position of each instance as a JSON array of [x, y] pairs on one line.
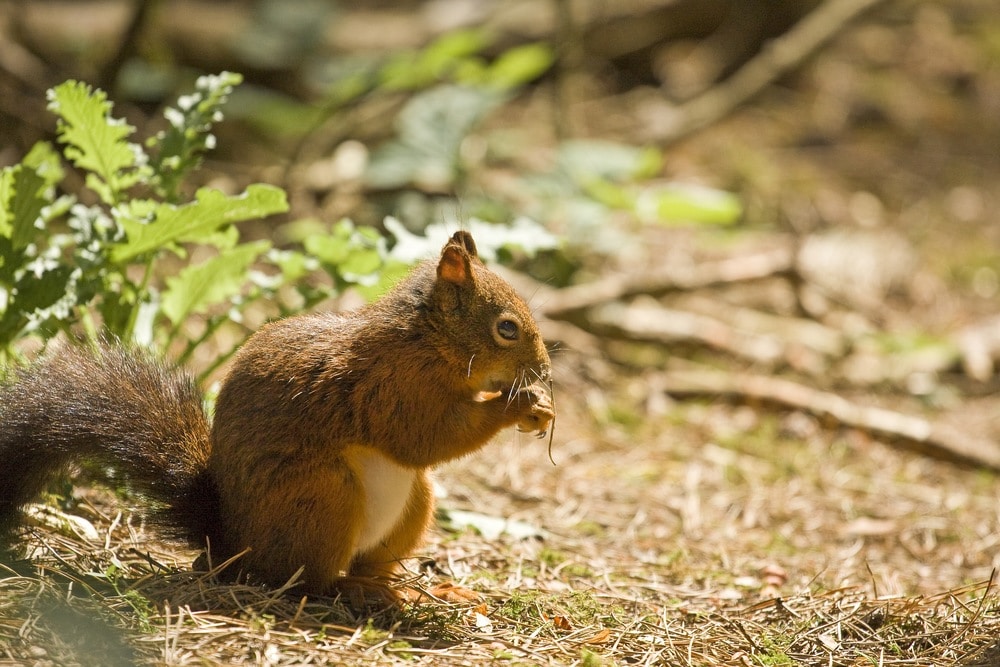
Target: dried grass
[[181, 618], [721, 541]]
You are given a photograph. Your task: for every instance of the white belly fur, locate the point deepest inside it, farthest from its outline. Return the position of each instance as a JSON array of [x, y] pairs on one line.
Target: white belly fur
[[387, 486]]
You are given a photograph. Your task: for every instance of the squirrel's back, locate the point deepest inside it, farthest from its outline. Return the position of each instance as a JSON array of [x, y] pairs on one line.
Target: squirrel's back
[[117, 406]]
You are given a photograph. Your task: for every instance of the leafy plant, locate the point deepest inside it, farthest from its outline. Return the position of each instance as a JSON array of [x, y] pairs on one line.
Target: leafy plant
[[106, 264], [609, 174], [63, 261], [434, 122]]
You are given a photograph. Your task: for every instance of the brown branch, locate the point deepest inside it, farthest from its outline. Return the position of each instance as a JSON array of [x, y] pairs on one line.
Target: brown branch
[[776, 59], [935, 438], [778, 261], [650, 322]]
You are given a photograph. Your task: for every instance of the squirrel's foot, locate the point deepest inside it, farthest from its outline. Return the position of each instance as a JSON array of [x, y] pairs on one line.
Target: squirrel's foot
[[366, 593], [538, 410], [444, 592]]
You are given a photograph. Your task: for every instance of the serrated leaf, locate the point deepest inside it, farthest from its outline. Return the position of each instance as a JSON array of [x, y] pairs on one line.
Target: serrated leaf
[[95, 140], [21, 202], [198, 287], [44, 292], [46, 162], [223, 239], [199, 219]]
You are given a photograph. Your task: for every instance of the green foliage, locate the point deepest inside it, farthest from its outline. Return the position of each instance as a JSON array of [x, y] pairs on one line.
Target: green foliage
[[95, 141], [610, 173], [216, 280], [178, 150], [63, 262], [431, 128], [149, 227], [108, 266], [456, 57]]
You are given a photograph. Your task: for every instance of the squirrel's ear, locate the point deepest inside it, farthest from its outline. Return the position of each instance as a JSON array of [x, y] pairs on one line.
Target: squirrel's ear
[[455, 266], [457, 257]]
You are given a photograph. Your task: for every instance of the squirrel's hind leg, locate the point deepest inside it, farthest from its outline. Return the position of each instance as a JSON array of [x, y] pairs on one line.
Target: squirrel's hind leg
[[310, 520], [382, 563]]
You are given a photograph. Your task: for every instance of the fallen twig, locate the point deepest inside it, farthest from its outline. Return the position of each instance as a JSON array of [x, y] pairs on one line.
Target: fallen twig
[[646, 320], [938, 439], [777, 261]]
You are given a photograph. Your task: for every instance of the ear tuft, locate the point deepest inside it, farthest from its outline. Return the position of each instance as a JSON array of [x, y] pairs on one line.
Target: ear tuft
[[464, 239]]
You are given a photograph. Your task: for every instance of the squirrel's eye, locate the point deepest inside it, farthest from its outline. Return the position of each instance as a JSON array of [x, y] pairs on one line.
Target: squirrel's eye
[[508, 329]]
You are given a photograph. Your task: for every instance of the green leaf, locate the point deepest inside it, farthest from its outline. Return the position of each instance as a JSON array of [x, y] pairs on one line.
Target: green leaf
[[520, 65], [584, 160], [610, 193], [446, 51], [293, 265], [686, 204], [21, 201], [44, 159], [6, 195], [198, 220], [412, 71], [390, 272], [347, 251], [95, 141], [198, 287], [45, 291], [431, 128]]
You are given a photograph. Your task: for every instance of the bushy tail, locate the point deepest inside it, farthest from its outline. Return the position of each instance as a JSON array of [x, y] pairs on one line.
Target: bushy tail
[[120, 407]]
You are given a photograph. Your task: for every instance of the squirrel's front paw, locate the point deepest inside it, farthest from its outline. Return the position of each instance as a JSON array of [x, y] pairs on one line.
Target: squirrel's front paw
[[537, 410]]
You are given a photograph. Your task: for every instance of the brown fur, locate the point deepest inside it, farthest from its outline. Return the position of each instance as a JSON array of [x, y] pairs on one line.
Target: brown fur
[[420, 377]]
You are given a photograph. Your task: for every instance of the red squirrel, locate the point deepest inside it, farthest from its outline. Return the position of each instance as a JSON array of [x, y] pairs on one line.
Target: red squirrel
[[324, 431]]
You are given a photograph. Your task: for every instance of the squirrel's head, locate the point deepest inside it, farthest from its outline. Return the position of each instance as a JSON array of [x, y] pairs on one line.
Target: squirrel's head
[[490, 329]]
